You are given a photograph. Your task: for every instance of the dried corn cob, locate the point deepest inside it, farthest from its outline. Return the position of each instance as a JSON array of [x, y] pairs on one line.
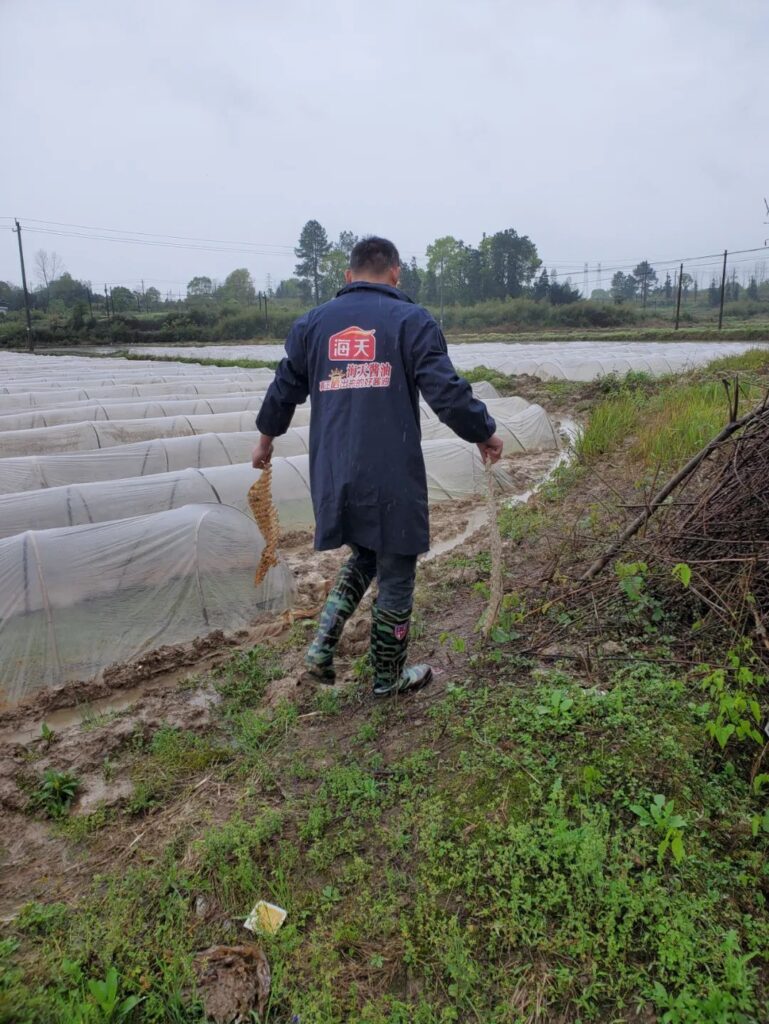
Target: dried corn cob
[[266, 516]]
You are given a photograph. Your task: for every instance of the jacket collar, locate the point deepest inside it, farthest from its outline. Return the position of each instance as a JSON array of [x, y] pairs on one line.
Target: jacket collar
[[387, 289]]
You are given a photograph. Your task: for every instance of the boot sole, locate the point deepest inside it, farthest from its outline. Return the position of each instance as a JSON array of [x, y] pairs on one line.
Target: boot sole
[[412, 688]]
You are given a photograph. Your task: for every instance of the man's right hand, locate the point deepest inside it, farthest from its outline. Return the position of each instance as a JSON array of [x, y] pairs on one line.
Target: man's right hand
[[262, 453], [491, 450]]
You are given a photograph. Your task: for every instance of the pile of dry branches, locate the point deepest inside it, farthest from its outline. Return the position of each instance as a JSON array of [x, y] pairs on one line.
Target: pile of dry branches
[[723, 535]]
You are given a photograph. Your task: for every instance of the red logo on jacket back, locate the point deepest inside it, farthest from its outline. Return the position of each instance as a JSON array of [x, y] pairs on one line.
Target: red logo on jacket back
[[351, 345]]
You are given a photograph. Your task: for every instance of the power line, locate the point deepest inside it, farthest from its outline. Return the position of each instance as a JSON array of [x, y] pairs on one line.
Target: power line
[[223, 246], [153, 234]]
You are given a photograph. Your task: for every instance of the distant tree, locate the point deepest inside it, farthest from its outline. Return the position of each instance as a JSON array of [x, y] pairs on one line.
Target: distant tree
[[123, 299], [753, 289], [600, 295], [293, 288], [428, 287], [411, 279], [67, 290], [541, 287], [332, 268], [347, 240], [11, 296], [511, 262], [624, 287], [444, 262], [686, 282], [714, 293], [334, 264], [313, 246], [48, 265], [646, 276], [238, 287], [151, 298], [200, 288], [561, 294], [667, 288]]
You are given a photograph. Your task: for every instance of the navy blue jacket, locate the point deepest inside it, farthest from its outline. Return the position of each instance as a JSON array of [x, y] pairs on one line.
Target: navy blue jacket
[[363, 358]]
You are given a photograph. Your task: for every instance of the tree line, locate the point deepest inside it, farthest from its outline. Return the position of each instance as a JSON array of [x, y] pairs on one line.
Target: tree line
[[500, 281], [503, 265]]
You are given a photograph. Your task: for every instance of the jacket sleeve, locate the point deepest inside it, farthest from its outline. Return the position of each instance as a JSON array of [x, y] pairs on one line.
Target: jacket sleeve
[[289, 388], [448, 395]]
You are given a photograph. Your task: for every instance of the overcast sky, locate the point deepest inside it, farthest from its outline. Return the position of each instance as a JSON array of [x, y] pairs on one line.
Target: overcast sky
[[606, 130]]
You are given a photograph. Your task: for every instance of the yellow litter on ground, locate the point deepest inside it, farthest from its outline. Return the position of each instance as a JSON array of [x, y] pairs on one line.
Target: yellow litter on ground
[[265, 918]]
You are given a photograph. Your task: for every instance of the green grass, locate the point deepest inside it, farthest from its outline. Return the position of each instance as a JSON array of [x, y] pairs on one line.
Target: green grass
[[496, 866], [669, 420], [249, 364]]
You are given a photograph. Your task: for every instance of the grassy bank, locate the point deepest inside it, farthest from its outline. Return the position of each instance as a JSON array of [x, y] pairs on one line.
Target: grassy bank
[[669, 419]]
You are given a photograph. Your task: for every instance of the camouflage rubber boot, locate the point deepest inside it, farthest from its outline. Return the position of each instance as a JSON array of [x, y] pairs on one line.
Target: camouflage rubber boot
[[343, 599], [389, 646]]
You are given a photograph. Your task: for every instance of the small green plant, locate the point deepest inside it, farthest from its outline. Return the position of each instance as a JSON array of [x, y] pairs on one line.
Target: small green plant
[[660, 816], [47, 735], [683, 573], [592, 780], [55, 793], [106, 996], [328, 701], [727, 1000], [362, 668], [458, 644], [734, 692], [558, 707], [42, 918], [633, 580]]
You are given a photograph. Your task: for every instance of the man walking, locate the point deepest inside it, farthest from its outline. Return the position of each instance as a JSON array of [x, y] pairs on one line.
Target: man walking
[[364, 358]]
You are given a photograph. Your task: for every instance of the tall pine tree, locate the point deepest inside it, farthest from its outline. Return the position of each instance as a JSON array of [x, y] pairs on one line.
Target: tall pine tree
[[313, 247]]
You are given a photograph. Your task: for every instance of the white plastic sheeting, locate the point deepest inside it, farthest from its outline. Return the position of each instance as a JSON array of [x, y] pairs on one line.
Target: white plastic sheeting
[[73, 601], [529, 430], [75, 437], [57, 398], [588, 360], [454, 470], [483, 389], [144, 458], [86, 435], [567, 359], [80, 412]]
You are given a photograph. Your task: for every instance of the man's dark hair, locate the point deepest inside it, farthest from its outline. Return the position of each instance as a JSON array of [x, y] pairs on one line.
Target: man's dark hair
[[377, 255]]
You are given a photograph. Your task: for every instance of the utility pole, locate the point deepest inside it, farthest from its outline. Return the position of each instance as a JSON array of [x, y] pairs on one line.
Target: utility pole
[[678, 300], [723, 288], [30, 339], [584, 281], [106, 301], [441, 293], [598, 277], [88, 293]]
